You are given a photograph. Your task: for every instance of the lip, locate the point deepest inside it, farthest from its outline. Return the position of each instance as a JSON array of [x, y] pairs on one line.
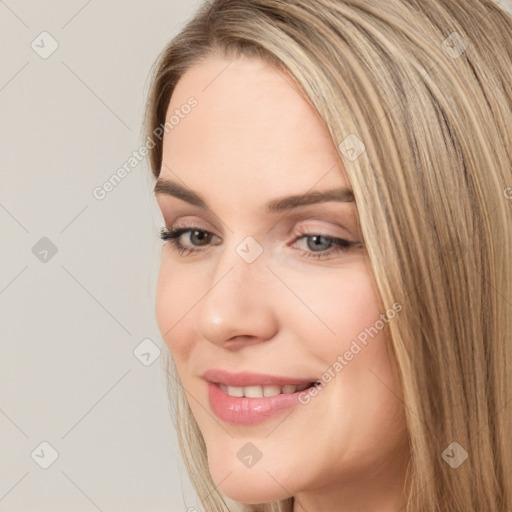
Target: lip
[[242, 379], [244, 410], [248, 411]]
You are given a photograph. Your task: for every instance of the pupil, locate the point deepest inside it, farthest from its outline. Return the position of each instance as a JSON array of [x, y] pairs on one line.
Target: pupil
[[316, 244], [201, 236]]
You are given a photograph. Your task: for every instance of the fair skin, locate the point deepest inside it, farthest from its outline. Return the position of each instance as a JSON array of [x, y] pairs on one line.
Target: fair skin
[[251, 139]]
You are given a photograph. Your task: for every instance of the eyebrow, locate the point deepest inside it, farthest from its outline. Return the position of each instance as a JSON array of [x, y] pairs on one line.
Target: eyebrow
[[174, 189]]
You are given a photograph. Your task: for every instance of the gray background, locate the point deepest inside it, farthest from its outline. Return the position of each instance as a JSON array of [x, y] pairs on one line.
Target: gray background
[[70, 322]]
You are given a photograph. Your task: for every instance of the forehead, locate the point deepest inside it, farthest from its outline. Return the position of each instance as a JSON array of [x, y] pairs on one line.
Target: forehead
[[251, 127]]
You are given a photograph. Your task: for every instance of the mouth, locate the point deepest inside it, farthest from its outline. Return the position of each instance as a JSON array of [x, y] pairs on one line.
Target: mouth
[[257, 385], [260, 391], [248, 399]]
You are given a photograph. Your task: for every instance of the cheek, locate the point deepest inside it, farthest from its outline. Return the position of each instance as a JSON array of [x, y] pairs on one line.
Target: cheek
[[347, 337], [342, 303], [175, 297], [355, 307], [356, 318]]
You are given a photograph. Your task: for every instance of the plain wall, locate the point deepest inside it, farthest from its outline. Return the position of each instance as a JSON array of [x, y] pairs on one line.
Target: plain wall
[[70, 321]]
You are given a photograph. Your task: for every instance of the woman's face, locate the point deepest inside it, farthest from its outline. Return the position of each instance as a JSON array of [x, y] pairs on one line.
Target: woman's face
[[276, 292]]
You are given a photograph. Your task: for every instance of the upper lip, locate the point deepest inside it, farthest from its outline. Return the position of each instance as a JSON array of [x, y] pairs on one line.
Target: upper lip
[[242, 379]]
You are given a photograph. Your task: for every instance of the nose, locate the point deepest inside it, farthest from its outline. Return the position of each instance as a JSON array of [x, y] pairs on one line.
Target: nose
[[237, 308]]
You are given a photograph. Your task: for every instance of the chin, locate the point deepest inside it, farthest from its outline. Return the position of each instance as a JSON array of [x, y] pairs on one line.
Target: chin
[[253, 492], [249, 486]]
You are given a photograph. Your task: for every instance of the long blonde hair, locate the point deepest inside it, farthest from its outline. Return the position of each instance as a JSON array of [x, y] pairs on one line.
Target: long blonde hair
[[423, 90]]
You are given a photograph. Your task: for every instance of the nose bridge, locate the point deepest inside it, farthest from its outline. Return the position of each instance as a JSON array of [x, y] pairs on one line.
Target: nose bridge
[[237, 302], [242, 265], [247, 259]]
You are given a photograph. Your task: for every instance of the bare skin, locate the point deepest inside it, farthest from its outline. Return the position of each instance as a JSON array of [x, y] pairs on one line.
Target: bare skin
[[292, 311]]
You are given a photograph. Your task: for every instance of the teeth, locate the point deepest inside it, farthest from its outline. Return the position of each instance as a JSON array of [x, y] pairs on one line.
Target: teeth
[[289, 388], [261, 391], [271, 390], [252, 391], [232, 391]]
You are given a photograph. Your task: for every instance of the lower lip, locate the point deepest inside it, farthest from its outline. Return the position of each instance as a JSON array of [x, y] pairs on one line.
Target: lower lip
[[248, 411]]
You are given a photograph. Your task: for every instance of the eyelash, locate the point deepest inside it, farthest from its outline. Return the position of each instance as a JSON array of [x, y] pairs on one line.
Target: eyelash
[[173, 235]]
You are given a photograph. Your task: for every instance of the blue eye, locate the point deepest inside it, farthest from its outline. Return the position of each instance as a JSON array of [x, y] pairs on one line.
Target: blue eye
[[324, 246], [317, 240]]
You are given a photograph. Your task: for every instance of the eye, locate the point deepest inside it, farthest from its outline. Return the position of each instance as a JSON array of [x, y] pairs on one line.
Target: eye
[[319, 242], [324, 247], [198, 237]]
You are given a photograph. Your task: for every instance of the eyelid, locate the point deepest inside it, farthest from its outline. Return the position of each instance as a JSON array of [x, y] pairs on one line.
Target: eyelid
[[326, 227], [193, 223], [335, 229]]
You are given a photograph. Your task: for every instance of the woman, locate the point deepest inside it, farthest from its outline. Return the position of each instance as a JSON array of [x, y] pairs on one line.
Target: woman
[[335, 288]]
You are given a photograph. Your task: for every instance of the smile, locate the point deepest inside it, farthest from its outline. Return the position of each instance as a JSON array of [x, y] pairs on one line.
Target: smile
[[263, 391], [248, 398]]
